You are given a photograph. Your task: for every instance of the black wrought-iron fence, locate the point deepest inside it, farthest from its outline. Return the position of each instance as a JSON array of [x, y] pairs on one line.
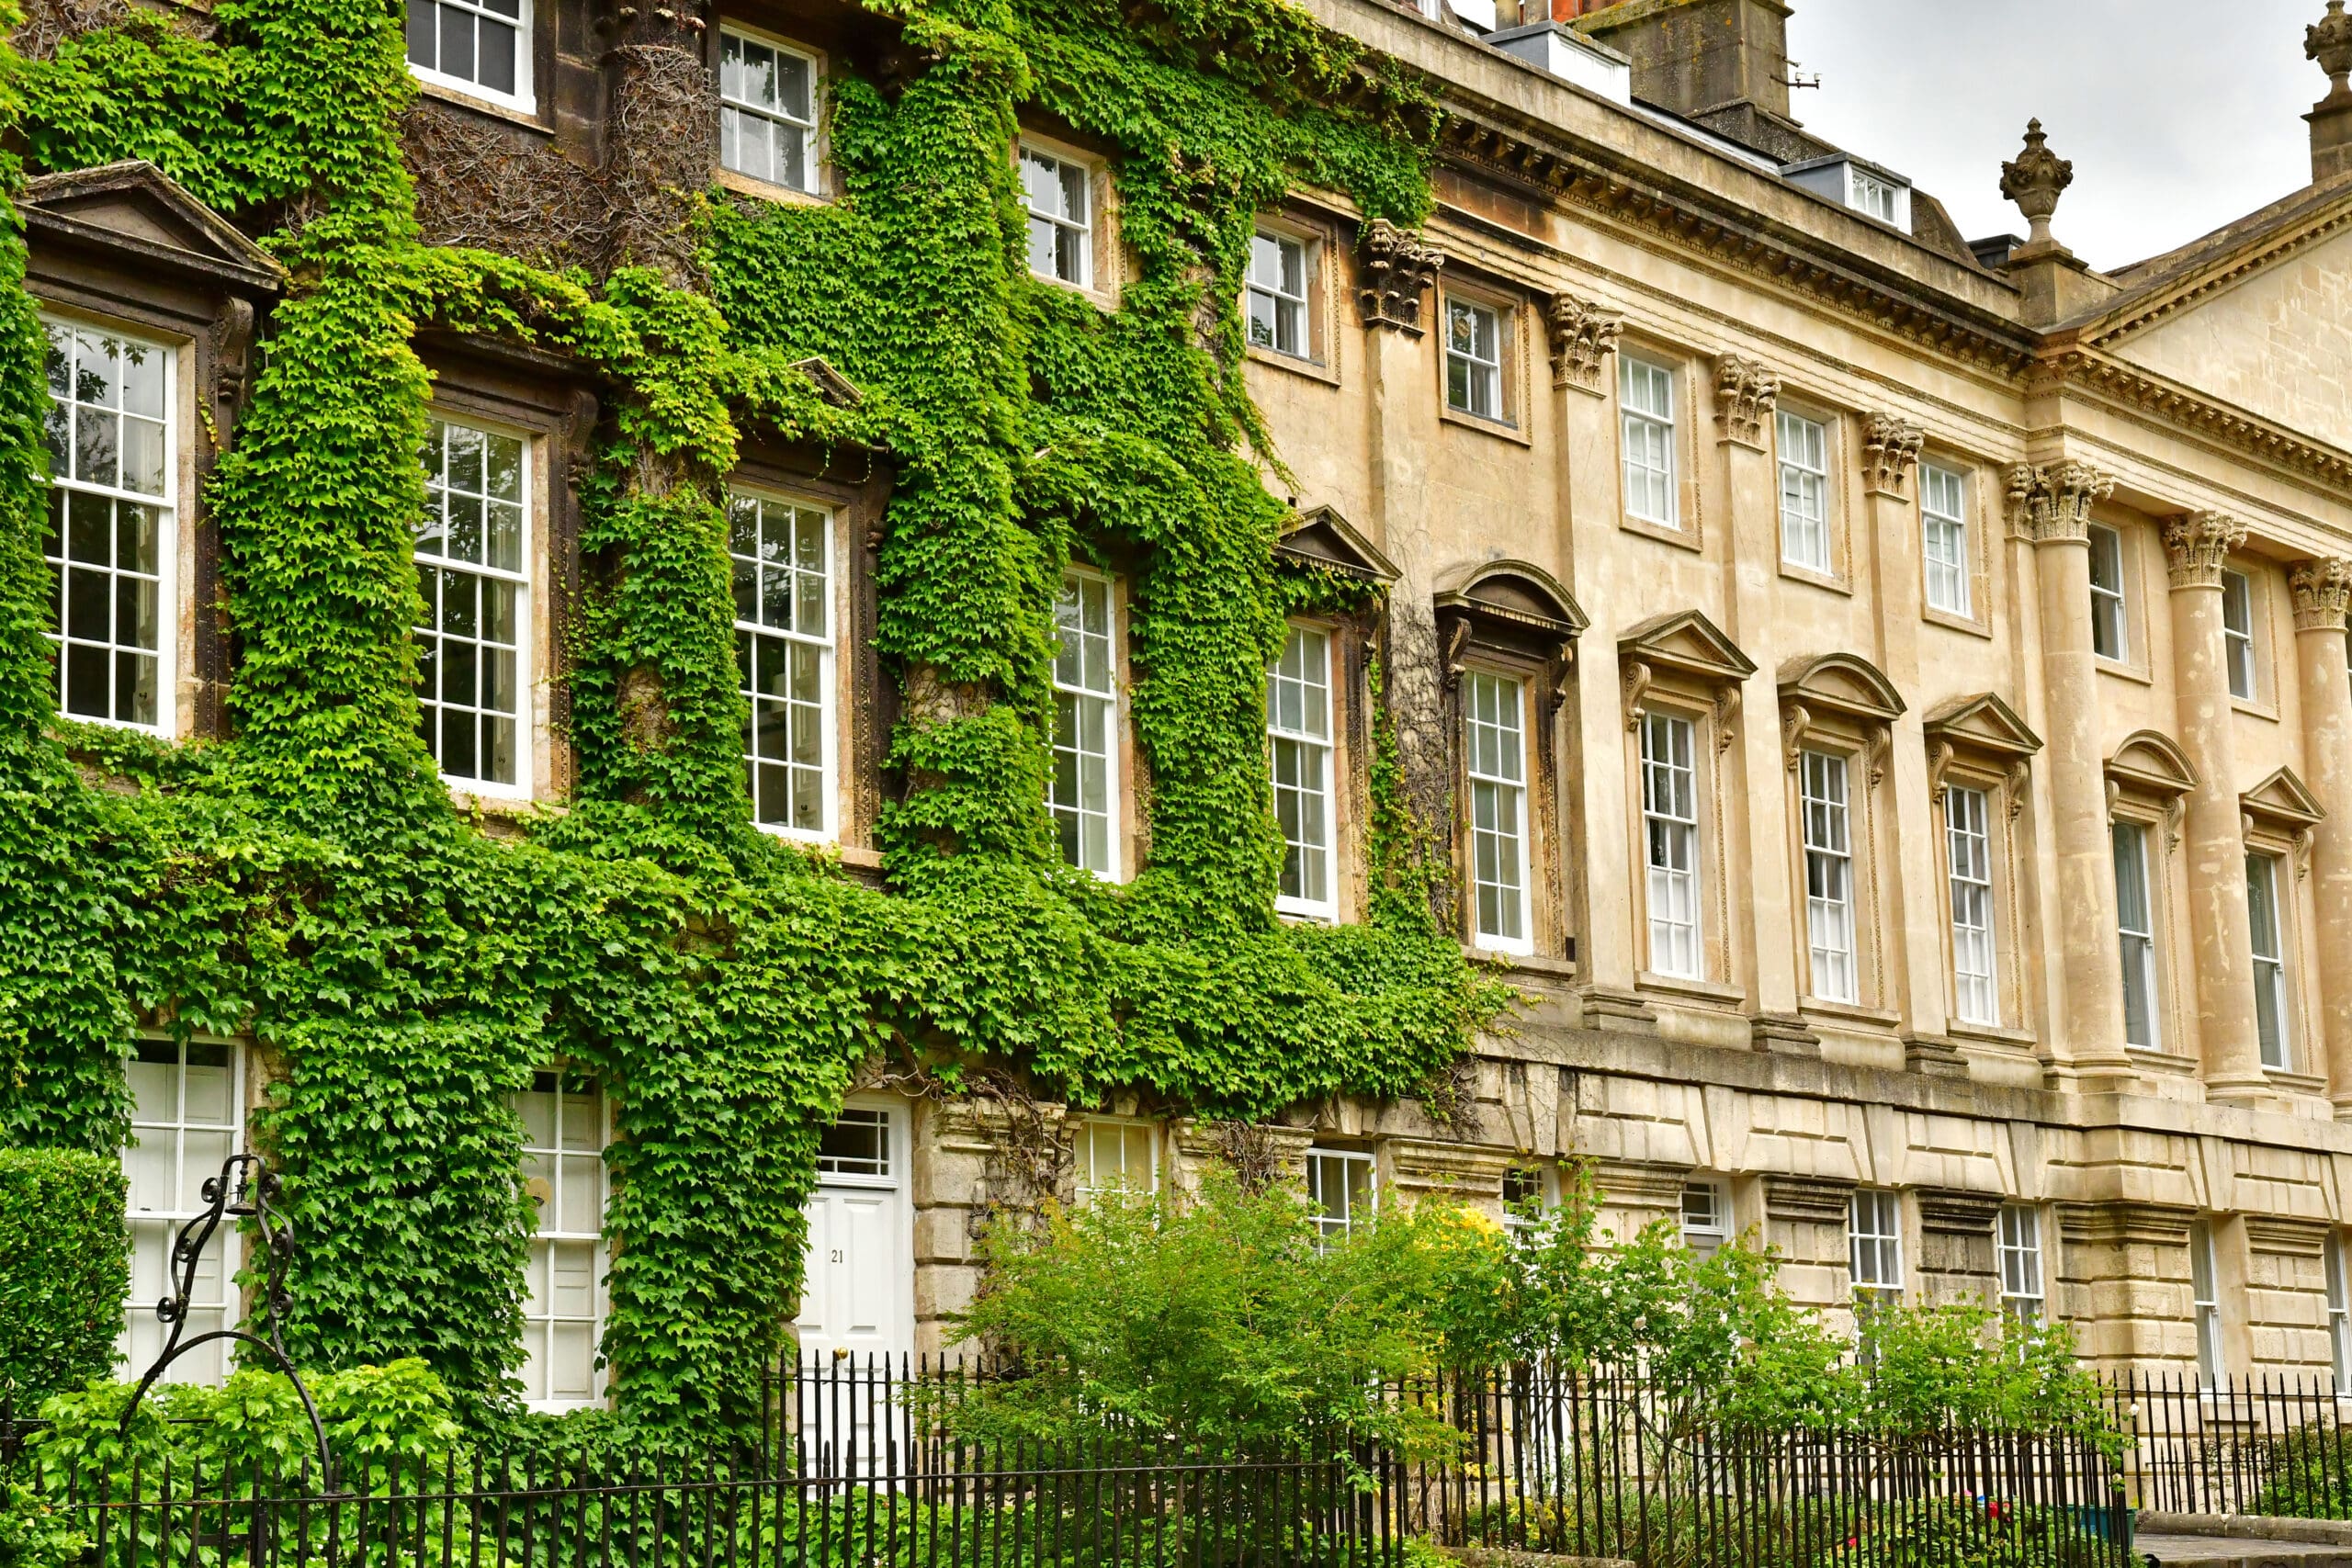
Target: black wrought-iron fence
[[2275, 1445]]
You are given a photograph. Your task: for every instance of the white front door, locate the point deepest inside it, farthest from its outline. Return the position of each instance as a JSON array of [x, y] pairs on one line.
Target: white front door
[[859, 1294]]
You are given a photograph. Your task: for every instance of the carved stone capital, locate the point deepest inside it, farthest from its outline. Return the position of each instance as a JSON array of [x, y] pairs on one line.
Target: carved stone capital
[[2035, 181], [1745, 395], [1889, 451], [1399, 268], [2322, 590], [1583, 337], [2053, 504], [2196, 543]]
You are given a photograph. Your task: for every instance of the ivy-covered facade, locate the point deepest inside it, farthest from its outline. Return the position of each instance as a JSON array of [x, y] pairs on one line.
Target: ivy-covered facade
[[678, 654]]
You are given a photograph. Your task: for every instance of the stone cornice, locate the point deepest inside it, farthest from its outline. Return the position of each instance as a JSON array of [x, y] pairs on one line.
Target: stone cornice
[[1701, 222], [2197, 544], [2186, 408]]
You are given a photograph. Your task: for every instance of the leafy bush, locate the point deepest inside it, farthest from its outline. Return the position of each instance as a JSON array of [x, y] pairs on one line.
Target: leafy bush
[[2307, 1472], [64, 1270]]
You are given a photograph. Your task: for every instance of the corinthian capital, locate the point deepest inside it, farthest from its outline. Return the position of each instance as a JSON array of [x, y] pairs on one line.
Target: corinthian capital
[[2053, 504], [1890, 449], [2196, 542], [1583, 337], [1398, 267], [2322, 588], [1745, 394]]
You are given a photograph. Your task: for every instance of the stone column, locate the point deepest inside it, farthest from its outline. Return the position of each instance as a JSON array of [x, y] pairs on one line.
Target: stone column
[[1915, 893], [1583, 339], [2051, 506], [1746, 396], [2322, 590], [1396, 269], [2221, 953]]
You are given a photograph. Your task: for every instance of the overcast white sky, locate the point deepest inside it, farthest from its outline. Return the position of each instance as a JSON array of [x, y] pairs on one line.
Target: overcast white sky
[[2179, 114]]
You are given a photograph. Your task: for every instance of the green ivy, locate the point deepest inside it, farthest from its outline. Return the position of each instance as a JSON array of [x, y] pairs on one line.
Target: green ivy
[[306, 882]]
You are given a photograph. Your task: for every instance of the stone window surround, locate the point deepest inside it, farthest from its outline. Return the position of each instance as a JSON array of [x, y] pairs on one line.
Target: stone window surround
[[1513, 380], [820, 150], [1343, 670], [1682, 365], [1106, 268], [1982, 744], [2148, 782], [1326, 345], [1838, 461], [1840, 704], [1978, 510], [2278, 817], [2263, 580], [2135, 541]]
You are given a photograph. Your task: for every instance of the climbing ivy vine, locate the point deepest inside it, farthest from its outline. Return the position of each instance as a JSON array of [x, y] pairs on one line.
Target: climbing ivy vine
[[306, 882]]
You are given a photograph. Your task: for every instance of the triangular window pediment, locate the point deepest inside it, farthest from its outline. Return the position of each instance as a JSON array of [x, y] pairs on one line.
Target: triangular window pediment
[[2153, 763], [1982, 723], [1841, 683], [1323, 538], [2284, 799], [1689, 642], [138, 207]]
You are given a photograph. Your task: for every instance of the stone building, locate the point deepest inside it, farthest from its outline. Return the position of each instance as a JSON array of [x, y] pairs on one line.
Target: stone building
[[1887, 691]]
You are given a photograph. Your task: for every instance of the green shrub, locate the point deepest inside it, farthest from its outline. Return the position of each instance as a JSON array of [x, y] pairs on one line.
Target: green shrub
[[64, 1270]]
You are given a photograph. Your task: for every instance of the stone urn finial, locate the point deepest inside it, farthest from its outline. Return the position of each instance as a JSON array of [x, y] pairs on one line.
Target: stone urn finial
[[2037, 177], [2329, 42]]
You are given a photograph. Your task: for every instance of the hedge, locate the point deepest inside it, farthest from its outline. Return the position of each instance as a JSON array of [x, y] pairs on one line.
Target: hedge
[[64, 1270]]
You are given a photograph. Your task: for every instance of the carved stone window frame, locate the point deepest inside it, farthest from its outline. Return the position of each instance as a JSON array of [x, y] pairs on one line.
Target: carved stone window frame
[[1513, 320], [1841, 704], [1107, 260], [823, 190], [1838, 461], [1981, 743], [2140, 553], [2149, 780], [1979, 496], [1683, 664], [1513, 619], [2266, 601], [2279, 817], [1322, 540], [1325, 342]]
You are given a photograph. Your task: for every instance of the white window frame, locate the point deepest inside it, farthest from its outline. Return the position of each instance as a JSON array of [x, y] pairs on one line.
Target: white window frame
[[523, 96], [1056, 218], [1706, 1216], [1863, 190], [1494, 749], [1295, 691], [1669, 761], [154, 1230], [755, 637], [2016, 1242], [883, 1170], [1322, 1165], [2238, 660], [526, 644], [1646, 428], [62, 421], [2111, 605], [1129, 1136], [576, 1232], [1475, 358], [1281, 305], [1874, 1246], [2267, 929], [1077, 582], [1825, 815], [2205, 1299], [1803, 449], [2136, 943], [2339, 1312], [1541, 1183], [1943, 540], [777, 120], [1976, 960]]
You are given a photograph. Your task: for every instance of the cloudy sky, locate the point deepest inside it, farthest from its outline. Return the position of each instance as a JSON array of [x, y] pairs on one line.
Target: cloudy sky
[[2179, 114]]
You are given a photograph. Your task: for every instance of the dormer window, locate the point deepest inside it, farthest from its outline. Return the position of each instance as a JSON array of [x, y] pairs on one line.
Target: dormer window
[[1863, 187]]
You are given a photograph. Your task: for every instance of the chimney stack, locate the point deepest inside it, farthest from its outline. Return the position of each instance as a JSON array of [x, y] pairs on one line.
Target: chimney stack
[[2329, 42], [1723, 63]]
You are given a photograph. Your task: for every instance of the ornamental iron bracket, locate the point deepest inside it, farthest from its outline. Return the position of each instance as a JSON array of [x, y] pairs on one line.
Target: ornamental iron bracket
[[246, 1188]]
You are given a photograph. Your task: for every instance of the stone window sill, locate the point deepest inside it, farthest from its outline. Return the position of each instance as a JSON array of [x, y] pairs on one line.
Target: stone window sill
[[1687, 989], [1682, 538], [1294, 365], [767, 190], [1946, 619], [1500, 429]]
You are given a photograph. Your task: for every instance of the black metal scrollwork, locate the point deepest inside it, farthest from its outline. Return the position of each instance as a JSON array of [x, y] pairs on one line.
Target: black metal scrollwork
[[246, 1188]]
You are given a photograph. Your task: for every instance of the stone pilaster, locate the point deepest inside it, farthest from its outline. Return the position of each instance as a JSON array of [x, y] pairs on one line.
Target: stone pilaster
[[2322, 590], [1956, 1257], [1448, 1171], [2286, 1296], [1746, 394], [1394, 270], [1915, 893], [2051, 506], [2220, 955], [2123, 1281], [1805, 1217]]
